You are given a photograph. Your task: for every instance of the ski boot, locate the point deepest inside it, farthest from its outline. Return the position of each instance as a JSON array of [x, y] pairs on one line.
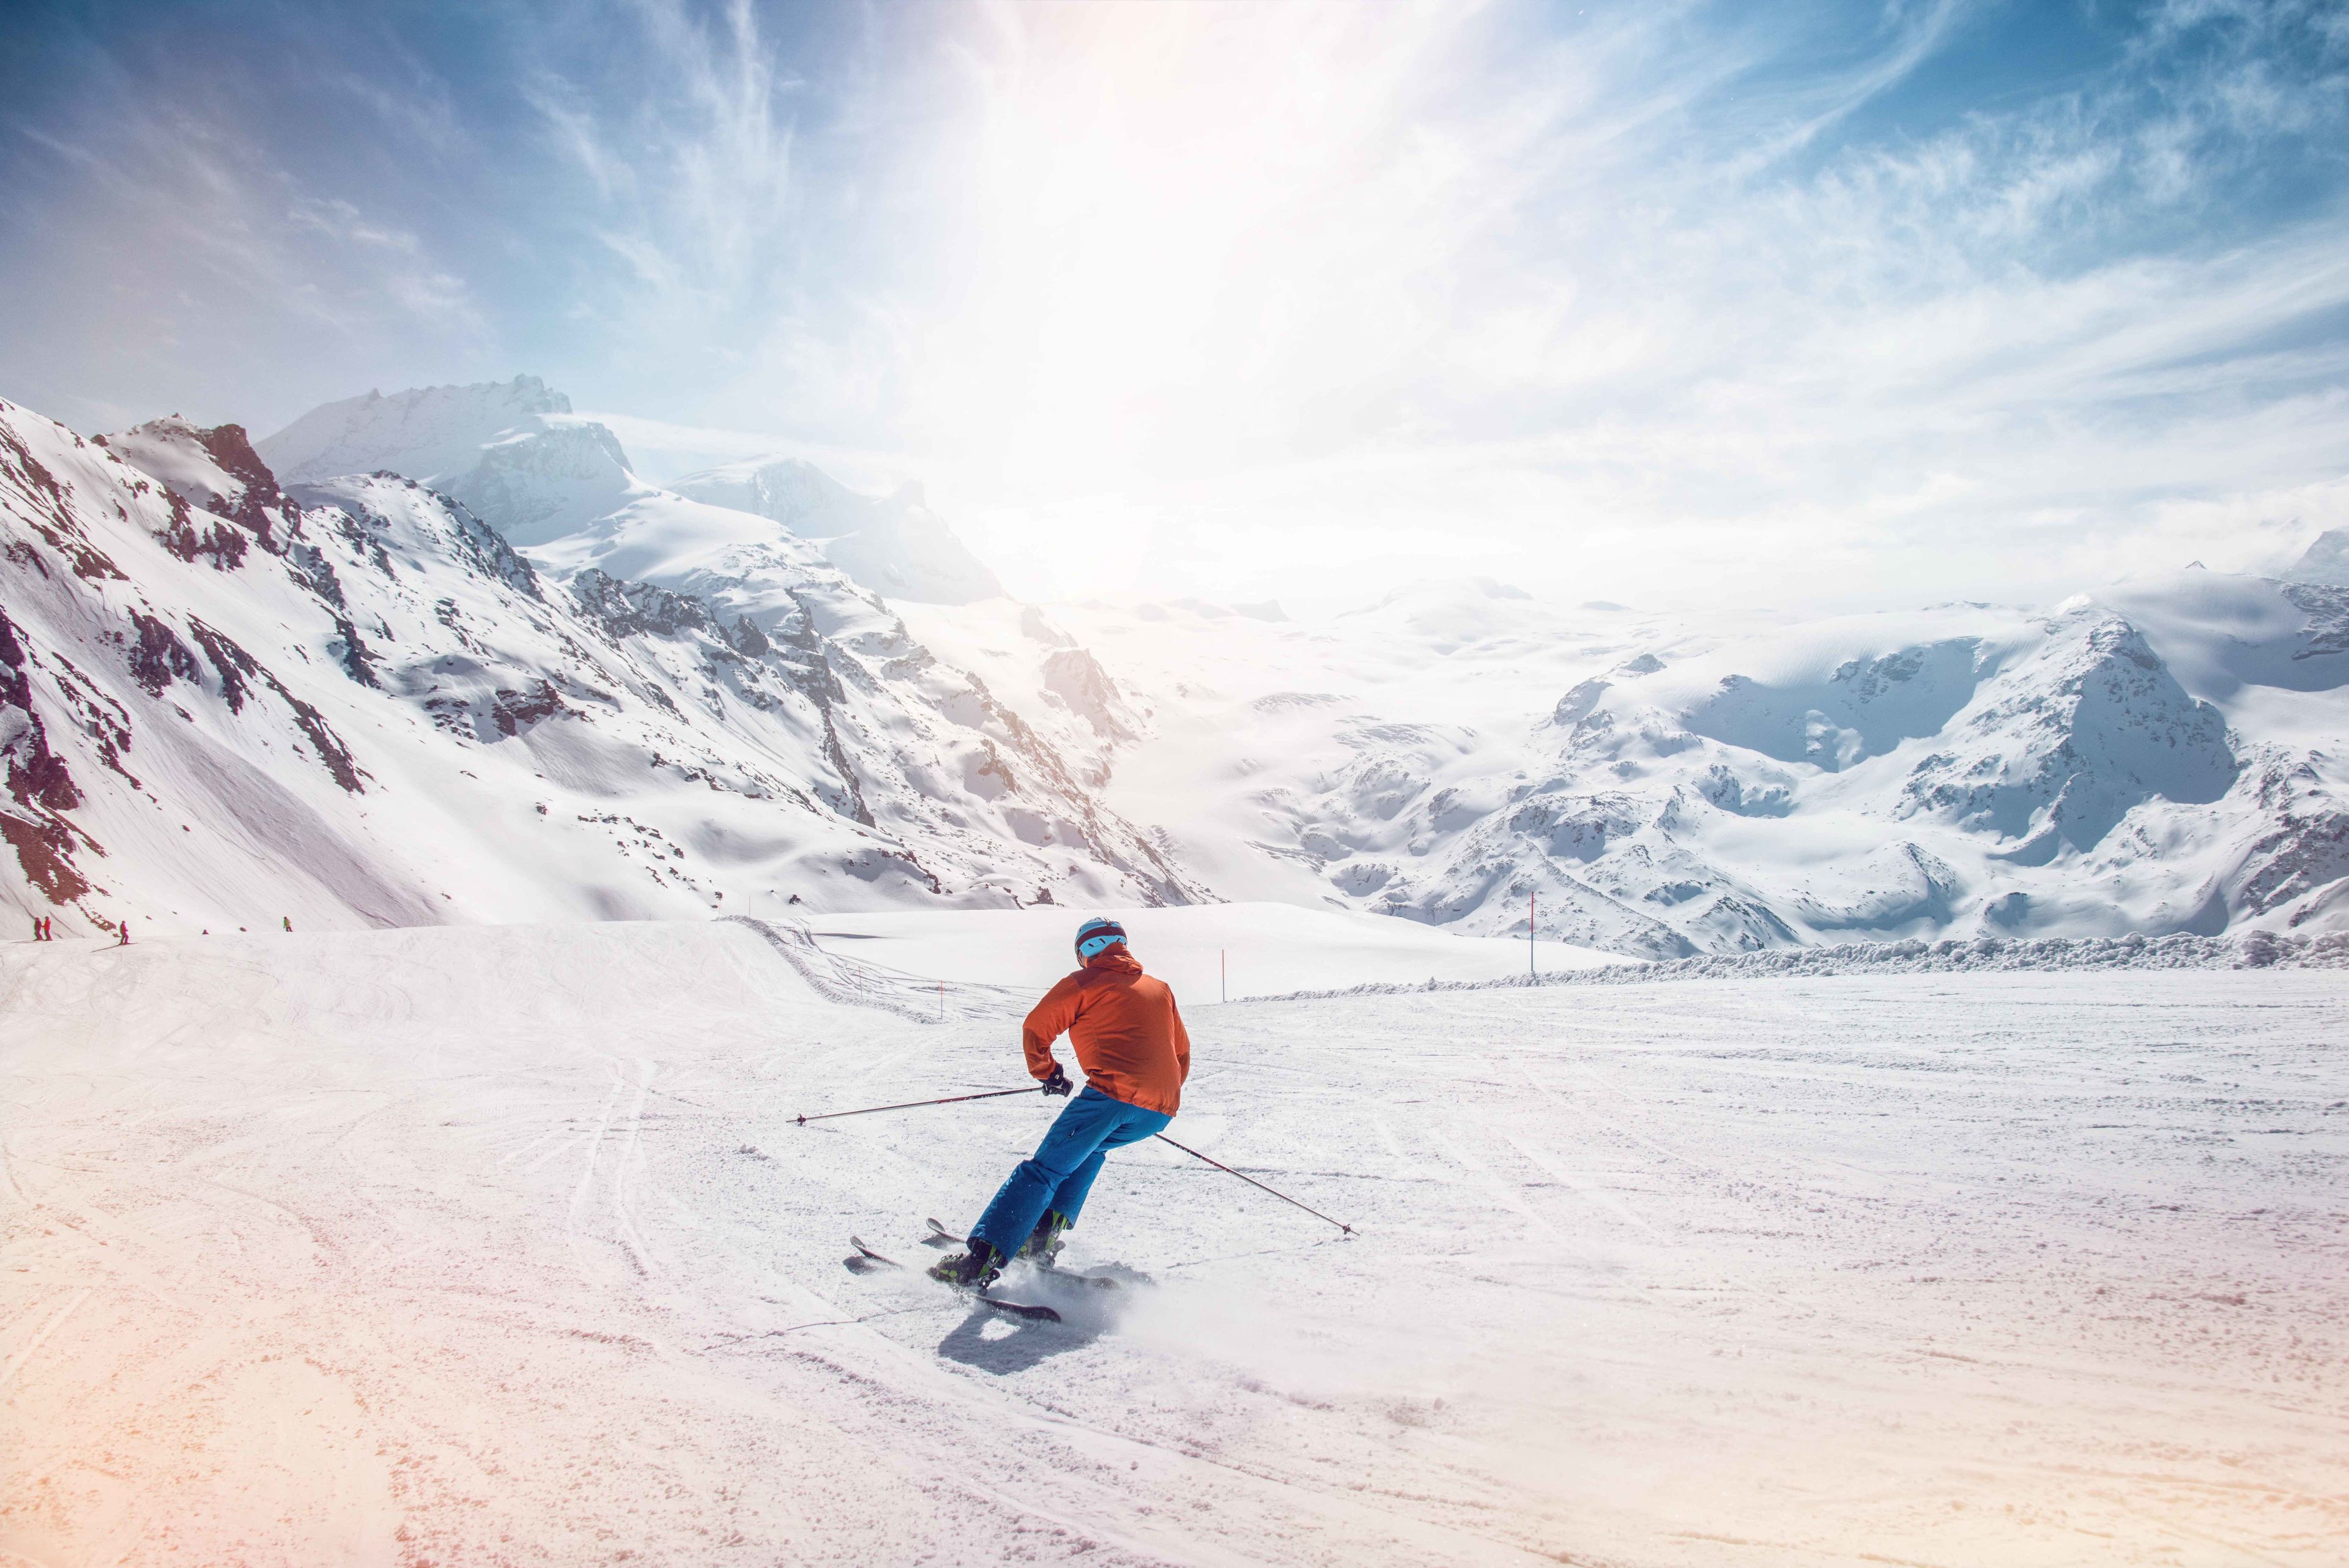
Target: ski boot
[[1043, 1244], [973, 1269]]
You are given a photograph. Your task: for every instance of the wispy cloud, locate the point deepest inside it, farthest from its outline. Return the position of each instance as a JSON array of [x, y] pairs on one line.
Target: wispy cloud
[[692, 175], [1840, 297]]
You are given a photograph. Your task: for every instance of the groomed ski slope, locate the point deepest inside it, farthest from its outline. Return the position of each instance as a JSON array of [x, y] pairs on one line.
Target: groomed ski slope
[[1201, 949], [499, 1245]]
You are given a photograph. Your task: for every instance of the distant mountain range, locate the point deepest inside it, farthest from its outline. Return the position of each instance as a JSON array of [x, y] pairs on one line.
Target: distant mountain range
[[2168, 756], [515, 455], [441, 655], [347, 699]]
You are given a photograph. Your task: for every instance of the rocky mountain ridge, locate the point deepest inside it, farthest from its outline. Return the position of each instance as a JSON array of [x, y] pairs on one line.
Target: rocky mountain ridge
[[2169, 756], [519, 458], [350, 700], [354, 697]]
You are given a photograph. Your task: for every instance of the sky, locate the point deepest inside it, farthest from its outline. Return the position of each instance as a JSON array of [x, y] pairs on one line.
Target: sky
[[1814, 304]]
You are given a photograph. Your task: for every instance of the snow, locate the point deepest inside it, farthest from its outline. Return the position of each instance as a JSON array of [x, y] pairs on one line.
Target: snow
[[651, 536], [2160, 757], [2163, 756], [894, 545], [547, 477], [501, 1245], [2254, 950], [2325, 561], [433, 435], [373, 712], [1265, 949], [171, 451]]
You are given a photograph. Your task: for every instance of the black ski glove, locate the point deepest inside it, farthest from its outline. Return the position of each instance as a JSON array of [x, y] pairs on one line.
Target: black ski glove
[[1058, 1084]]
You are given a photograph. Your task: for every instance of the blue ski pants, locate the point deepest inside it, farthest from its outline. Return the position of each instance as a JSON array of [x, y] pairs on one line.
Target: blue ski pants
[[1061, 1170]]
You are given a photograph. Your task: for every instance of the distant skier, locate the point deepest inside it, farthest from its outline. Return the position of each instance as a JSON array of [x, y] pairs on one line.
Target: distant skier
[[126, 935], [289, 921], [1129, 1038]]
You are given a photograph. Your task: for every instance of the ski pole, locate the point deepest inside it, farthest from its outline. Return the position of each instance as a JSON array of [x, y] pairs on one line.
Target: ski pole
[[916, 1104], [1252, 1181]]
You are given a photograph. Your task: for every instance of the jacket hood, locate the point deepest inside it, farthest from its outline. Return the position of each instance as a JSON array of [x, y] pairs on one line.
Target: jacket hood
[[1116, 959]]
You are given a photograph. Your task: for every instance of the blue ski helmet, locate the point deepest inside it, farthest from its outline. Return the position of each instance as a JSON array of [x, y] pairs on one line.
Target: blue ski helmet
[[1097, 934]]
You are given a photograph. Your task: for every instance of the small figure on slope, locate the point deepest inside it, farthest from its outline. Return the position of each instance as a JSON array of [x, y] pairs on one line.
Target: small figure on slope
[[1129, 1039]]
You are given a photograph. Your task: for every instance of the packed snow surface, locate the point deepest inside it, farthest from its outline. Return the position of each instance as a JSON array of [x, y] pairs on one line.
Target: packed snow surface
[[501, 1245], [1259, 948]]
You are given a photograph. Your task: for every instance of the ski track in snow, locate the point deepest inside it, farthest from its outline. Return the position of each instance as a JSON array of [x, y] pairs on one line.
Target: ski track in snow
[[498, 1246]]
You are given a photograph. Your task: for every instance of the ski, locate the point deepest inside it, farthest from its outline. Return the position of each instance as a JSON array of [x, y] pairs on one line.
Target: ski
[[1016, 1309], [940, 1233]]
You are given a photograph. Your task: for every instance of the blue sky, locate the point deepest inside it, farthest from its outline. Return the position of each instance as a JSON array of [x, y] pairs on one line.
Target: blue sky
[[1813, 304]]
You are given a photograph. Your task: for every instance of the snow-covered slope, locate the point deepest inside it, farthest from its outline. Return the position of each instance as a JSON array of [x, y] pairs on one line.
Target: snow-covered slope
[[221, 704], [1205, 952], [515, 453], [433, 435], [501, 1246], [2325, 562], [894, 545], [2169, 755]]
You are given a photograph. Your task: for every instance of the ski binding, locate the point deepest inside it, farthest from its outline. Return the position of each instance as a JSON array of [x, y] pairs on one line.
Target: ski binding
[[1032, 1312], [1050, 1270]]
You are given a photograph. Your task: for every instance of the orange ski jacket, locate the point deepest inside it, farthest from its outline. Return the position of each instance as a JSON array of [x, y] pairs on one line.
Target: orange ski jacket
[[1123, 1024]]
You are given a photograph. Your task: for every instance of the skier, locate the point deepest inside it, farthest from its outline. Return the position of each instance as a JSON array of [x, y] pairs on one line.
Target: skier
[[126, 935], [289, 921], [1129, 1038]]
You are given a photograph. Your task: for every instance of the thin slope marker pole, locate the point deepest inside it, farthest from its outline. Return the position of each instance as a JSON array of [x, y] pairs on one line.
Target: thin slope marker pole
[[1224, 965], [1531, 973]]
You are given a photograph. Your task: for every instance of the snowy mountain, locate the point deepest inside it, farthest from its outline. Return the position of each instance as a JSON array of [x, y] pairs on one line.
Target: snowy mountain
[[515, 455], [2166, 757], [894, 545], [352, 701], [434, 435], [362, 696], [2326, 563]]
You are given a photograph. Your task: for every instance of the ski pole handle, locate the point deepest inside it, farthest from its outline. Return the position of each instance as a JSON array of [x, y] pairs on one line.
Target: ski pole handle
[[916, 1104]]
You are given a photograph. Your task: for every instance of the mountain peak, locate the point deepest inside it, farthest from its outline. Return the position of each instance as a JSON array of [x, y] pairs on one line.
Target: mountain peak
[[2327, 561], [431, 434], [894, 544], [215, 469]]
